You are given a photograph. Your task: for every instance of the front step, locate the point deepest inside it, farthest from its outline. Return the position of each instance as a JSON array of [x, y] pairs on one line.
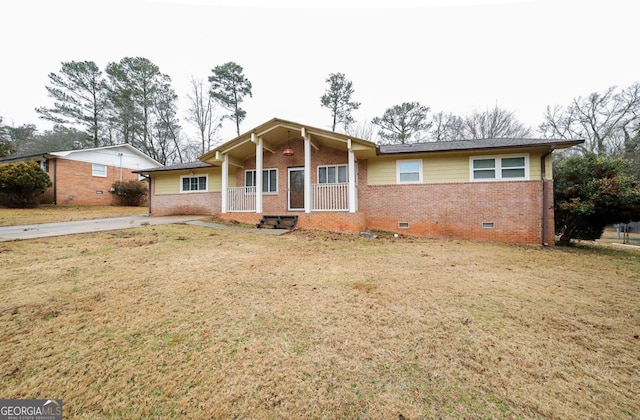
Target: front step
[[277, 222]]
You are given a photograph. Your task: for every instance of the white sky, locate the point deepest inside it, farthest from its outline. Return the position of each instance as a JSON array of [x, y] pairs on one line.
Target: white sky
[[455, 56]]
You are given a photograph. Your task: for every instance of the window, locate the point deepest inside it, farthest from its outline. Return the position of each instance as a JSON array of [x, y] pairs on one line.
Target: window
[[504, 167], [409, 171], [44, 164], [333, 174], [99, 170], [269, 180], [193, 183]]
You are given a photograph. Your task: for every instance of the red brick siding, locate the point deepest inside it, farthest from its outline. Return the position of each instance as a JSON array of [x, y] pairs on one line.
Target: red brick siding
[[451, 211], [206, 203], [76, 185], [458, 210], [332, 221], [278, 203]]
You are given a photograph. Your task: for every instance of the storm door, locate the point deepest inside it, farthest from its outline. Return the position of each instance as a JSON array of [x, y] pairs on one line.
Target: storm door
[[296, 189]]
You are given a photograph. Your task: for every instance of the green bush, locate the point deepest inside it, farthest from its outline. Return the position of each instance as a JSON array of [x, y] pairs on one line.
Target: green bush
[[130, 193], [591, 192], [22, 184]]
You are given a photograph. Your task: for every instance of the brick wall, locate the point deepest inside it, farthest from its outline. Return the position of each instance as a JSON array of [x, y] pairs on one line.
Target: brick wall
[[278, 203], [449, 211], [207, 203], [76, 186], [458, 210], [332, 221]]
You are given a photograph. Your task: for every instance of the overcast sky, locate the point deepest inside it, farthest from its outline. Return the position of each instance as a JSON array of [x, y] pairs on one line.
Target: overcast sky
[[454, 56]]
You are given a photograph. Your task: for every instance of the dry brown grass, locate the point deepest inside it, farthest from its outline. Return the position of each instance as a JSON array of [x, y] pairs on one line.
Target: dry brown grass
[[52, 214], [186, 322]]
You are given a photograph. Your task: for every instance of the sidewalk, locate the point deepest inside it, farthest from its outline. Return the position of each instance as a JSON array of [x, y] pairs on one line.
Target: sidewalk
[[18, 233]]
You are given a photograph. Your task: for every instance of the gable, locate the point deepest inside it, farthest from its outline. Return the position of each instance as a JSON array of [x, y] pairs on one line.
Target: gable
[[124, 156]]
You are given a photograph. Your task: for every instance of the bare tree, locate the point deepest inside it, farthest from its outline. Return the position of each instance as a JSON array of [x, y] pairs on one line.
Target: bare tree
[[202, 115], [446, 127], [495, 123], [605, 120], [363, 130]]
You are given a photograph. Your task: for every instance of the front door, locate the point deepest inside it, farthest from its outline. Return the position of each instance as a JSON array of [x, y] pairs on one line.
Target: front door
[[296, 189]]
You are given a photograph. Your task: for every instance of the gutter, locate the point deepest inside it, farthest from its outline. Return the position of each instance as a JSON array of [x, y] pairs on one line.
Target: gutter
[[545, 201]]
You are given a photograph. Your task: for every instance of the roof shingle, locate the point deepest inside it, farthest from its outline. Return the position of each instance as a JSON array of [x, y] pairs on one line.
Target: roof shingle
[[480, 144]]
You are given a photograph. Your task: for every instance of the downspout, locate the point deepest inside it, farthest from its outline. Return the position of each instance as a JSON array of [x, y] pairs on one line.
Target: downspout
[[545, 200], [150, 178], [55, 181]]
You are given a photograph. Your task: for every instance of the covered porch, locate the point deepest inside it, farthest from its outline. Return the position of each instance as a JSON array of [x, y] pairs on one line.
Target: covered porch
[[304, 169]]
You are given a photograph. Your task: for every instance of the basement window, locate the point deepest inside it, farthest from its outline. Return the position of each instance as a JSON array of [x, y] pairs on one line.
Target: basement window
[[488, 225], [403, 225]]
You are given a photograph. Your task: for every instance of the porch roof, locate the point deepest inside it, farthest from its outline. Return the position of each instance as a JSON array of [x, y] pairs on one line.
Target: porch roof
[[276, 132]]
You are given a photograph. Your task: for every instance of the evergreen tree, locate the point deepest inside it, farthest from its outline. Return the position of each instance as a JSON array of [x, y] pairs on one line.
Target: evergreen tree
[[400, 122], [79, 94], [229, 87], [337, 98]]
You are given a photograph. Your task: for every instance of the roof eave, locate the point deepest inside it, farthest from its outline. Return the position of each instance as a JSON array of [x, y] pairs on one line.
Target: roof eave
[[554, 145]]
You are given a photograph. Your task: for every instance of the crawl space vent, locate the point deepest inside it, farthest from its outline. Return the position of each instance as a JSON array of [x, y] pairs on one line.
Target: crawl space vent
[[403, 225]]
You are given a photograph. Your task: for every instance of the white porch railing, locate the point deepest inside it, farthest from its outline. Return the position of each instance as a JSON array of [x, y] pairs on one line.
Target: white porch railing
[[241, 199], [333, 197], [324, 197]]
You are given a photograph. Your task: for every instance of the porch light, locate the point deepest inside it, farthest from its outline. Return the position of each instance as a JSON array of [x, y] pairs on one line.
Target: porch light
[[288, 151]]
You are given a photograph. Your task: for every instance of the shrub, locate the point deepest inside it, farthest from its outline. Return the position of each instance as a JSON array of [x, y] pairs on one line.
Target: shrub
[[130, 193], [22, 184], [591, 192]]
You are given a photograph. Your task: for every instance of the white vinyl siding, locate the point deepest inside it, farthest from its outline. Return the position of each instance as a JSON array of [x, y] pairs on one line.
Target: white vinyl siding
[[409, 171], [499, 168]]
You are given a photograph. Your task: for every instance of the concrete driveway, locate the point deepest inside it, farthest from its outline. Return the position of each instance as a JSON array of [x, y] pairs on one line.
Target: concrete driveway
[[14, 233]]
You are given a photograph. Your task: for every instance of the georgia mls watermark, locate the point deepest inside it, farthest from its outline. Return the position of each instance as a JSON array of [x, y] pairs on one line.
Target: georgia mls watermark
[[30, 409]]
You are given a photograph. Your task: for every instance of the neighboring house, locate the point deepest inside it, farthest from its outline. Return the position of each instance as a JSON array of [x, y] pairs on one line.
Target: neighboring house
[[86, 176], [493, 189]]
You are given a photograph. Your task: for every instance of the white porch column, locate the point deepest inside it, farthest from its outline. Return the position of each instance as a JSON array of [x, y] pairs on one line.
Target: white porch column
[[259, 164], [225, 181], [352, 179], [307, 173]]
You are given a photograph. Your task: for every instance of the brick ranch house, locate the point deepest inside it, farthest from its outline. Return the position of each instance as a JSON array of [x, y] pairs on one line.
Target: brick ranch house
[[492, 189], [86, 176]]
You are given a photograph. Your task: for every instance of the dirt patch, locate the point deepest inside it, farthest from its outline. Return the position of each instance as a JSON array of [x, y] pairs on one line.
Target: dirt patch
[[181, 321]]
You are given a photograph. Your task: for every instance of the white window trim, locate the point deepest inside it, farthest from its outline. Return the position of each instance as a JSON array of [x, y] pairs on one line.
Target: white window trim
[[264, 169], [498, 167], [334, 166], [93, 170], [419, 161], [194, 176]]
